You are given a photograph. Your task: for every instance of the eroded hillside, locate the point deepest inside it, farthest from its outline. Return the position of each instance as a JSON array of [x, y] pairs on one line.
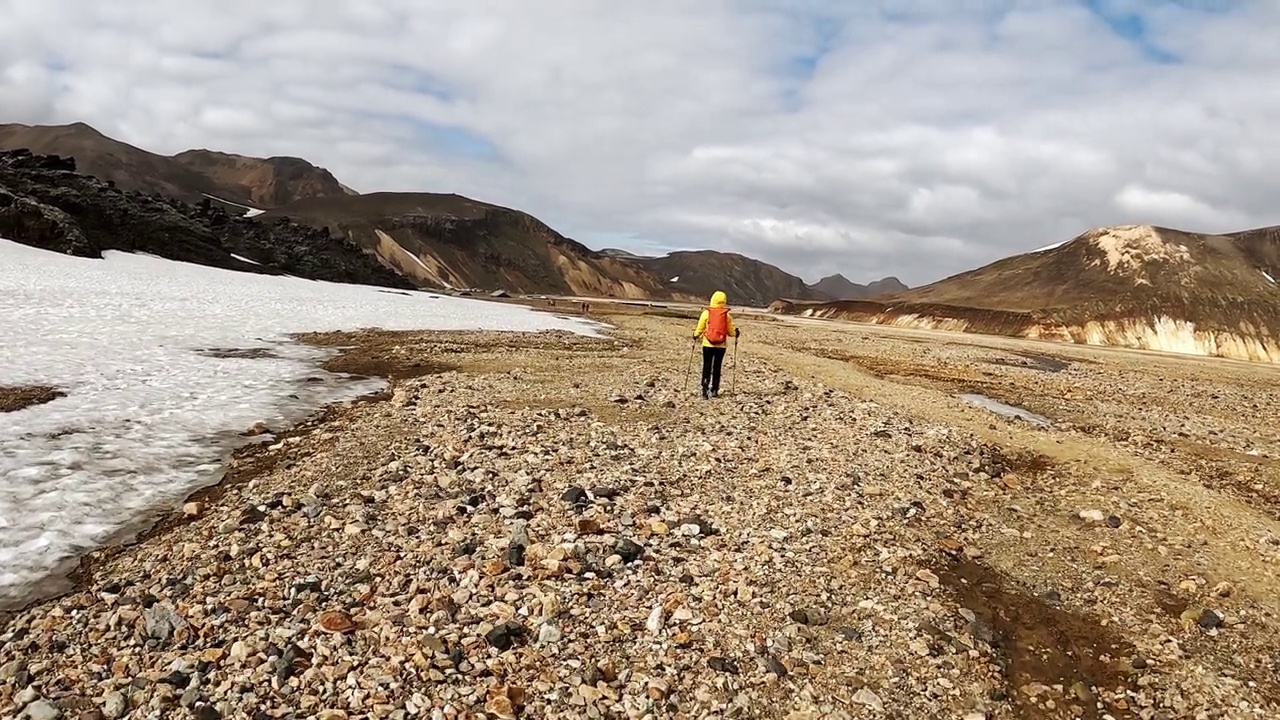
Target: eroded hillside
[[453, 241], [1129, 286]]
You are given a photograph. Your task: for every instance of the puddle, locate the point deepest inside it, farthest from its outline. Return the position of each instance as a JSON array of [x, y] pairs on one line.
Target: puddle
[[1000, 408]]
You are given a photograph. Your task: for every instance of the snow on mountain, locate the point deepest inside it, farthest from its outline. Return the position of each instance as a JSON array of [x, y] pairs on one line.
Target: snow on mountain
[[1052, 247], [122, 337]]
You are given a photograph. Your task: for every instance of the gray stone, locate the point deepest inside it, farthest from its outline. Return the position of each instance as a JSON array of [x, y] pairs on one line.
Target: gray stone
[[41, 710], [162, 621]]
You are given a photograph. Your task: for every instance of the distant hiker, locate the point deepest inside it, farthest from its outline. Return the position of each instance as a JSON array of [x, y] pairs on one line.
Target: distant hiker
[[715, 327]]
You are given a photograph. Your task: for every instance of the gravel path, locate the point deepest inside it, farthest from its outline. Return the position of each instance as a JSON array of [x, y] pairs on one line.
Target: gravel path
[[551, 526]]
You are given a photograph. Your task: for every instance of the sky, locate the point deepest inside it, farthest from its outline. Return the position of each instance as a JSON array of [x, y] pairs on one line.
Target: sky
[[915, 138]]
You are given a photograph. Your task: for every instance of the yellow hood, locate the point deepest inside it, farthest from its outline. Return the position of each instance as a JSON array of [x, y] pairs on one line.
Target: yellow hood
[[718, 299]]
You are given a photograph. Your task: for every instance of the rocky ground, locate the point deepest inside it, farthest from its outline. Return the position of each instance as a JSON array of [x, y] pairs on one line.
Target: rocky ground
[[553, 526], [13, 399]]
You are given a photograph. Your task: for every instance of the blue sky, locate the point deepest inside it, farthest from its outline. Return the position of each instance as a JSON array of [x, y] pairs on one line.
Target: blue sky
[[915, 138], [1131, 25]]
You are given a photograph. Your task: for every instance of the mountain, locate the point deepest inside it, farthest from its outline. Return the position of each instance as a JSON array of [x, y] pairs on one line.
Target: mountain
[[267, 183], [698, 273], [189, 176], [458, 242], [46, 203], [1133, 286], [433, 239], [838, 287]]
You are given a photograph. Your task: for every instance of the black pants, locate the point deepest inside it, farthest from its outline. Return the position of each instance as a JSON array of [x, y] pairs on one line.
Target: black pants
[[712, 359]]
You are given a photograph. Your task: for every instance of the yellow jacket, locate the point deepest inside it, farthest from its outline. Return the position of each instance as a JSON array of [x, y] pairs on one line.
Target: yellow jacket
[[718, 299]]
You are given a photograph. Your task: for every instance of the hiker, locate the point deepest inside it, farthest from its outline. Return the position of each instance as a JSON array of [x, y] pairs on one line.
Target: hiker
[[714, 327]]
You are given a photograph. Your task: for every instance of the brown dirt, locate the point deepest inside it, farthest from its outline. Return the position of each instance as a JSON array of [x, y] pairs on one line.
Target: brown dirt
[[13, 399], [1043, 645], [384, 357]]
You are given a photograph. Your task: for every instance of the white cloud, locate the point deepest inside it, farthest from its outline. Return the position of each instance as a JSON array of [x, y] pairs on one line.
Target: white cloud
[[916, 138]]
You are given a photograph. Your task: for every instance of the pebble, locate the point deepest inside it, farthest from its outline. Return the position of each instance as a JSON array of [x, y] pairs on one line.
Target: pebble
[[548, 633], [866, 697], [26, 696], [654, 623], [115, 705], [41, 710]]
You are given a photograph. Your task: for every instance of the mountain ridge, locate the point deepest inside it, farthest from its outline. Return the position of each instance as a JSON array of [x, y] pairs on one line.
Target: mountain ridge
[[1137, 286], [839, 287], [191, 175], [433, 243]]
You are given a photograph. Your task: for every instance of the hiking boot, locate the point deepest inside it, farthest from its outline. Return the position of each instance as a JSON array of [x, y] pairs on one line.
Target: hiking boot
[[715, 393], [706, 393]]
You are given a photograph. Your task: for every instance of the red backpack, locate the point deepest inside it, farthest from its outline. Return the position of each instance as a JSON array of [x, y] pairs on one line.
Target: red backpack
[[717, 325]]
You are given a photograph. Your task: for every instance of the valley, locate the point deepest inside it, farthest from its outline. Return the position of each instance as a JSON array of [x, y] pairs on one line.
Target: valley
[[839, 536]]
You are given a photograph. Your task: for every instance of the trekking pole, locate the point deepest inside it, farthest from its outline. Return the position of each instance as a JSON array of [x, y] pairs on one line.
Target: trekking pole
[[733, 381], [693, 346]]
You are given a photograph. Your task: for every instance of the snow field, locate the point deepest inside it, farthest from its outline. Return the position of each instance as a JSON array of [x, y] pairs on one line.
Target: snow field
[[148, 418]]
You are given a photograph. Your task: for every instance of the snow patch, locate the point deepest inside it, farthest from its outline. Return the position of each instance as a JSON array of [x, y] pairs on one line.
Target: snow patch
[[1267, 275], [1050, 247], [148, 418], [245, 259], [249, 211], [675, 279]]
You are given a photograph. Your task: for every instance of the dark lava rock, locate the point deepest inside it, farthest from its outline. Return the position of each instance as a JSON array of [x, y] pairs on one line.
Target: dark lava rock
[[515, 555], [724, 665], [1114, 521], [606, 493], [1209, 619], [776, 667], [849, 633], [504, 636], [704, 527], [808, 617], [293, 658], [251, 515], [466, 548], [628, 550], [47, 204], [575, 496]]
